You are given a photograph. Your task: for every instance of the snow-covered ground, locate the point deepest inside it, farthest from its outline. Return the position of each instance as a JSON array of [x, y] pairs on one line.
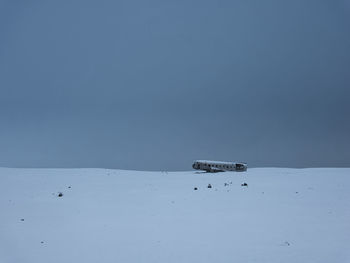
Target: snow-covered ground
[[283, 215]]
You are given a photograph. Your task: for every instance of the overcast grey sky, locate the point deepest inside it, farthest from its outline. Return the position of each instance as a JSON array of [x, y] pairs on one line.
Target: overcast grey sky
[[153, 85]]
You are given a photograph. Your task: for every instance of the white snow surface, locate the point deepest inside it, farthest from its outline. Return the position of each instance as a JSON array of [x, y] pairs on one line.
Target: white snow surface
[[284, 215]]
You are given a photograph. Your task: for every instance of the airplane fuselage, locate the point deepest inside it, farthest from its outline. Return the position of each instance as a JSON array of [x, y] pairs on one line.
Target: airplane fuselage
[[217, 166]]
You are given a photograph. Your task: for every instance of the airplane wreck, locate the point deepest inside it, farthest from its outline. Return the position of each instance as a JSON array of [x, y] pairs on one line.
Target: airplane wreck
[[217, 166]]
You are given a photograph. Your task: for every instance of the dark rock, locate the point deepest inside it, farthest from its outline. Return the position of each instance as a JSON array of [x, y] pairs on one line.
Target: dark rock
[[244, 184], [195, 188], [209, 185], [60, 194]]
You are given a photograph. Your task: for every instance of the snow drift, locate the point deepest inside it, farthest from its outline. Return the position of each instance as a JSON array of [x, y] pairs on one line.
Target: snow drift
[[280, 215]]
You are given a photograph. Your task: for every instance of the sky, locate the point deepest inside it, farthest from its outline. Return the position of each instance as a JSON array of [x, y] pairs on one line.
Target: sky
[[154, 85]]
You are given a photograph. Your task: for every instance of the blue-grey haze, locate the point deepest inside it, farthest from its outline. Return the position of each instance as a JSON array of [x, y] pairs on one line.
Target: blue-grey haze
[[153, 85]]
